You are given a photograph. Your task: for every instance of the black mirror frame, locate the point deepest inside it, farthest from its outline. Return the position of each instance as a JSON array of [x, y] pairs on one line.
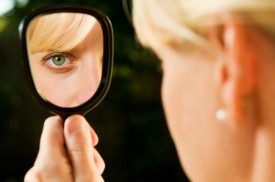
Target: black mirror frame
[[107, 58]]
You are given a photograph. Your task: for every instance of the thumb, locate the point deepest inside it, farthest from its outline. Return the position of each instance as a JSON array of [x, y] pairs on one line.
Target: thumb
[[80, 148]]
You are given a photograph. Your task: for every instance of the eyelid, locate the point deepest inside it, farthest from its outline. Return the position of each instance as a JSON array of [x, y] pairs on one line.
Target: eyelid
[[66, 54]]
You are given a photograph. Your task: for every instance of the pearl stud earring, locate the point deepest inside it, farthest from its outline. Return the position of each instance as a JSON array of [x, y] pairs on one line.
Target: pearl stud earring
[[221, 114]]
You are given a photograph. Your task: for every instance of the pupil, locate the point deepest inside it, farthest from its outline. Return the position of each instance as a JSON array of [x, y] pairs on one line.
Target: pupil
[[58, 60]]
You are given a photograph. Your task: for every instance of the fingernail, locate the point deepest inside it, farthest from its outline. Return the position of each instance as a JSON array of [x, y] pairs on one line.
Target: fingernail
[[75, 126]]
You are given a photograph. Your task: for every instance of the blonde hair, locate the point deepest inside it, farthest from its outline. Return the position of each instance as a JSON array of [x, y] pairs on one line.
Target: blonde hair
[[184, 22], [58, 31]]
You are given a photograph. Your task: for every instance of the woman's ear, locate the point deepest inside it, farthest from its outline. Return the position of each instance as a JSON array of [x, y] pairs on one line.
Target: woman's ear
[[236, 70]]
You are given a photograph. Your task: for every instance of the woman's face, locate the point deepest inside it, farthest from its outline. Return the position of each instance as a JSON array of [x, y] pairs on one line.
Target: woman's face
[[206, 147], [70, 78]]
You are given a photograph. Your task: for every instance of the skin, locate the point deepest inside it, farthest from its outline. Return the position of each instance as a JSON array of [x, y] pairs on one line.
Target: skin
[[240, 148], [67, 152], [195, 85], [63, 84], [67, 148], [199, 138]]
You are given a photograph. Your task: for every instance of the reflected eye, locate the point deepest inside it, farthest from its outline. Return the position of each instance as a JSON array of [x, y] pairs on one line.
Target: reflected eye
[[59, 62]]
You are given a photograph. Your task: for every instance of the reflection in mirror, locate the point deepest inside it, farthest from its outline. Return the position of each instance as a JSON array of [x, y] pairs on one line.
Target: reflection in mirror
[[65, 53]]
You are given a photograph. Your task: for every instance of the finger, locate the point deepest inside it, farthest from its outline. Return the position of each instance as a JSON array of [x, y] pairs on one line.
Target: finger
[[51, 133], [94, 136], [79, 144], [32, 176], [51, 158], [100, 164], [52, 140]]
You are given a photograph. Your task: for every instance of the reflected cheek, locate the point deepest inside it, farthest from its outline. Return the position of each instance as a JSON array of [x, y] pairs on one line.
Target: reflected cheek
[[84, 87], [85, 91]]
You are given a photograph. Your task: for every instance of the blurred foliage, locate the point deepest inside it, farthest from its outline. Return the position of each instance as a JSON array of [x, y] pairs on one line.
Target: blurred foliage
[[134, 140]]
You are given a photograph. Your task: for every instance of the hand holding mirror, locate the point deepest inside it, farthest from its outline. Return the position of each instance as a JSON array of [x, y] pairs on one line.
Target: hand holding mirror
[[68, 55]]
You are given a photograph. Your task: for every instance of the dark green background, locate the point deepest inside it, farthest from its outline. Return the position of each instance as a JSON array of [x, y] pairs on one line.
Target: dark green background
[[134, 140]]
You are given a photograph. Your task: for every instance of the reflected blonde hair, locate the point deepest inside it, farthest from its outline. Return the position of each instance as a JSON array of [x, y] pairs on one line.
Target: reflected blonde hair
[[184, 22], [59, 31]]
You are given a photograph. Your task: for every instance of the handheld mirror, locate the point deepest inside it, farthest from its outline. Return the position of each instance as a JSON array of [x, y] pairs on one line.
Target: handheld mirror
[[67, 55]]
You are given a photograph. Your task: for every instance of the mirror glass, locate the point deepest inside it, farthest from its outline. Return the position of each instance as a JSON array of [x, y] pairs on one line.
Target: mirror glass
[[65, 53]]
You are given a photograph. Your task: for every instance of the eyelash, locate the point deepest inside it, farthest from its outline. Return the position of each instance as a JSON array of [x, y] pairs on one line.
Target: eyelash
[[60, 69]]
